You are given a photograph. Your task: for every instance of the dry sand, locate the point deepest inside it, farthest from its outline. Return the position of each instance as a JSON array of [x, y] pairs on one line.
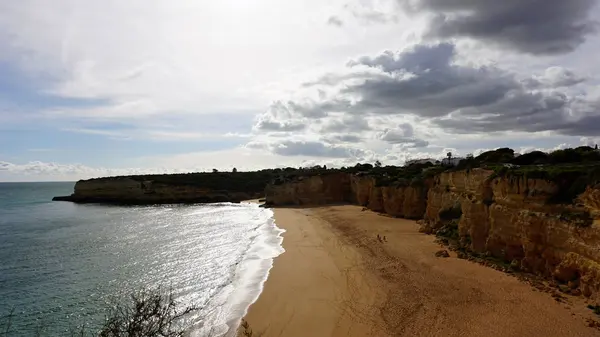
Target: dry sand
[[337, 279]]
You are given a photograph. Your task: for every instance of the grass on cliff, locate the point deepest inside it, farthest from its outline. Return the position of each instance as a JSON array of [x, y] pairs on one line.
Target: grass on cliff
[[398, 176], [571, 169], [571, 179]]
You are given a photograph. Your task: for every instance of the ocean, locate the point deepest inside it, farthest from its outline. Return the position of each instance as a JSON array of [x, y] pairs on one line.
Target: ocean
[[63, 265]]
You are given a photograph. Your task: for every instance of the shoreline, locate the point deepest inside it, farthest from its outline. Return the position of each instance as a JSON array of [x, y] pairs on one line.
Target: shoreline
[[253, 270], [336, 279]]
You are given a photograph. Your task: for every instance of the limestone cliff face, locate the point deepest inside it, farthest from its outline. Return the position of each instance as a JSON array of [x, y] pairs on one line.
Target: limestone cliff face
[[507, 217], [409, 202], [512, 219], [129, 191], [315, 190]]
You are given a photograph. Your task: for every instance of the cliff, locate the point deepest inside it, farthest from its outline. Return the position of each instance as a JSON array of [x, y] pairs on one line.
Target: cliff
[[400, 201], [512, 217], [140, 190]]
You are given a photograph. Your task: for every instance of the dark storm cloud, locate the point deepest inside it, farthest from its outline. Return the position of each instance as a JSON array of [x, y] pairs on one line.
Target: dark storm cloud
[[424, 81], [530, 112], [529, 26]]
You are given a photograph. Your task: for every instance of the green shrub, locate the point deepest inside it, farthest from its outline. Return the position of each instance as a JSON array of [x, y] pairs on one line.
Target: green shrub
[[595, 308], [531, 158], [502, 155]]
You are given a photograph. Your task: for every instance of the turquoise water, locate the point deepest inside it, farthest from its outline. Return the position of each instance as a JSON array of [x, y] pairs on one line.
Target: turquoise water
[[62, 264]]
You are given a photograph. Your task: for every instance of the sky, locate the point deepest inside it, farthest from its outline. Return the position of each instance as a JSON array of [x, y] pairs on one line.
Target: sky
[[96, 88]]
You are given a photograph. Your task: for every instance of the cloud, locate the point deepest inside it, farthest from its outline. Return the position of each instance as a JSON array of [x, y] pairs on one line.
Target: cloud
[[130, 61], [420, 78], [425, 81], [36, 170], [373, 12], [267, 125], [345, 124], [280, 117], [343, 139], [100, 74], [590, 141], [555, 77], [335, 21], [156, 134], [314, 149], [404, 135], [530, 26]]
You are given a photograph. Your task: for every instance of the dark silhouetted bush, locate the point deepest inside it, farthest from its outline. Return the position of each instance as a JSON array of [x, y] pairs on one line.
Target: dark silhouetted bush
[[503, 155], [148, 314], [531, 158]]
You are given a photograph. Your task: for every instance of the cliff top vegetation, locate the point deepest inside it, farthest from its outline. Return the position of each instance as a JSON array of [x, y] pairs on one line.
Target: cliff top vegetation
[[577, 166]]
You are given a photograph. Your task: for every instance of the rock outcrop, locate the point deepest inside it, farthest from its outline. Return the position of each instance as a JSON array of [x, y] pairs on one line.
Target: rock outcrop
[[510, 217], [124, 190]]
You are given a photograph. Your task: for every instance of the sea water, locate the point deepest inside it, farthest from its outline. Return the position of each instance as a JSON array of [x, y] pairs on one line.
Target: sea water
[[62, 264]]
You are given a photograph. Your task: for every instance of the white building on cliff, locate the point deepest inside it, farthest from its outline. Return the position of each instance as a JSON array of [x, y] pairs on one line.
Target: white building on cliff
[[451, 161]]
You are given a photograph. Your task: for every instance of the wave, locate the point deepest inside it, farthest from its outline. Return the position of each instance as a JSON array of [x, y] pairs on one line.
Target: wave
[[232, 301]]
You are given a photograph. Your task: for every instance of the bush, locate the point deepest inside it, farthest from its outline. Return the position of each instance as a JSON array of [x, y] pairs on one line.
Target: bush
[[594, 308], [503, 155], [149, 314], [449, 231], [531, 158]]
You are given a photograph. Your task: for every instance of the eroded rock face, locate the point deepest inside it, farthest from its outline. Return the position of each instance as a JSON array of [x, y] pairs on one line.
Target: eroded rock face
[[409, 202], [511, 219], [507, 217], [129, 191], [316, 190]]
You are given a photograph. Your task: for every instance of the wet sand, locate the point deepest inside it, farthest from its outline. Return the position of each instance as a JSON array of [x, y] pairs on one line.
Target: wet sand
[[337, 279]]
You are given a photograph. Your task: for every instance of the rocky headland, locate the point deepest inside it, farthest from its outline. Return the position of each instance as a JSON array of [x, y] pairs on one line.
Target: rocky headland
[[171, 188]]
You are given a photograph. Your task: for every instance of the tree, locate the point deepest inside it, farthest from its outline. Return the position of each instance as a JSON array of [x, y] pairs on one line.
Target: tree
[[234, 170], [449, 154], [377, 163], [215, 170], [501, 155]]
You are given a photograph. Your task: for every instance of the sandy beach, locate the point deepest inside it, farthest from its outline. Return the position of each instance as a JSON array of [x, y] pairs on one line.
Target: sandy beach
[[337, 279]]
